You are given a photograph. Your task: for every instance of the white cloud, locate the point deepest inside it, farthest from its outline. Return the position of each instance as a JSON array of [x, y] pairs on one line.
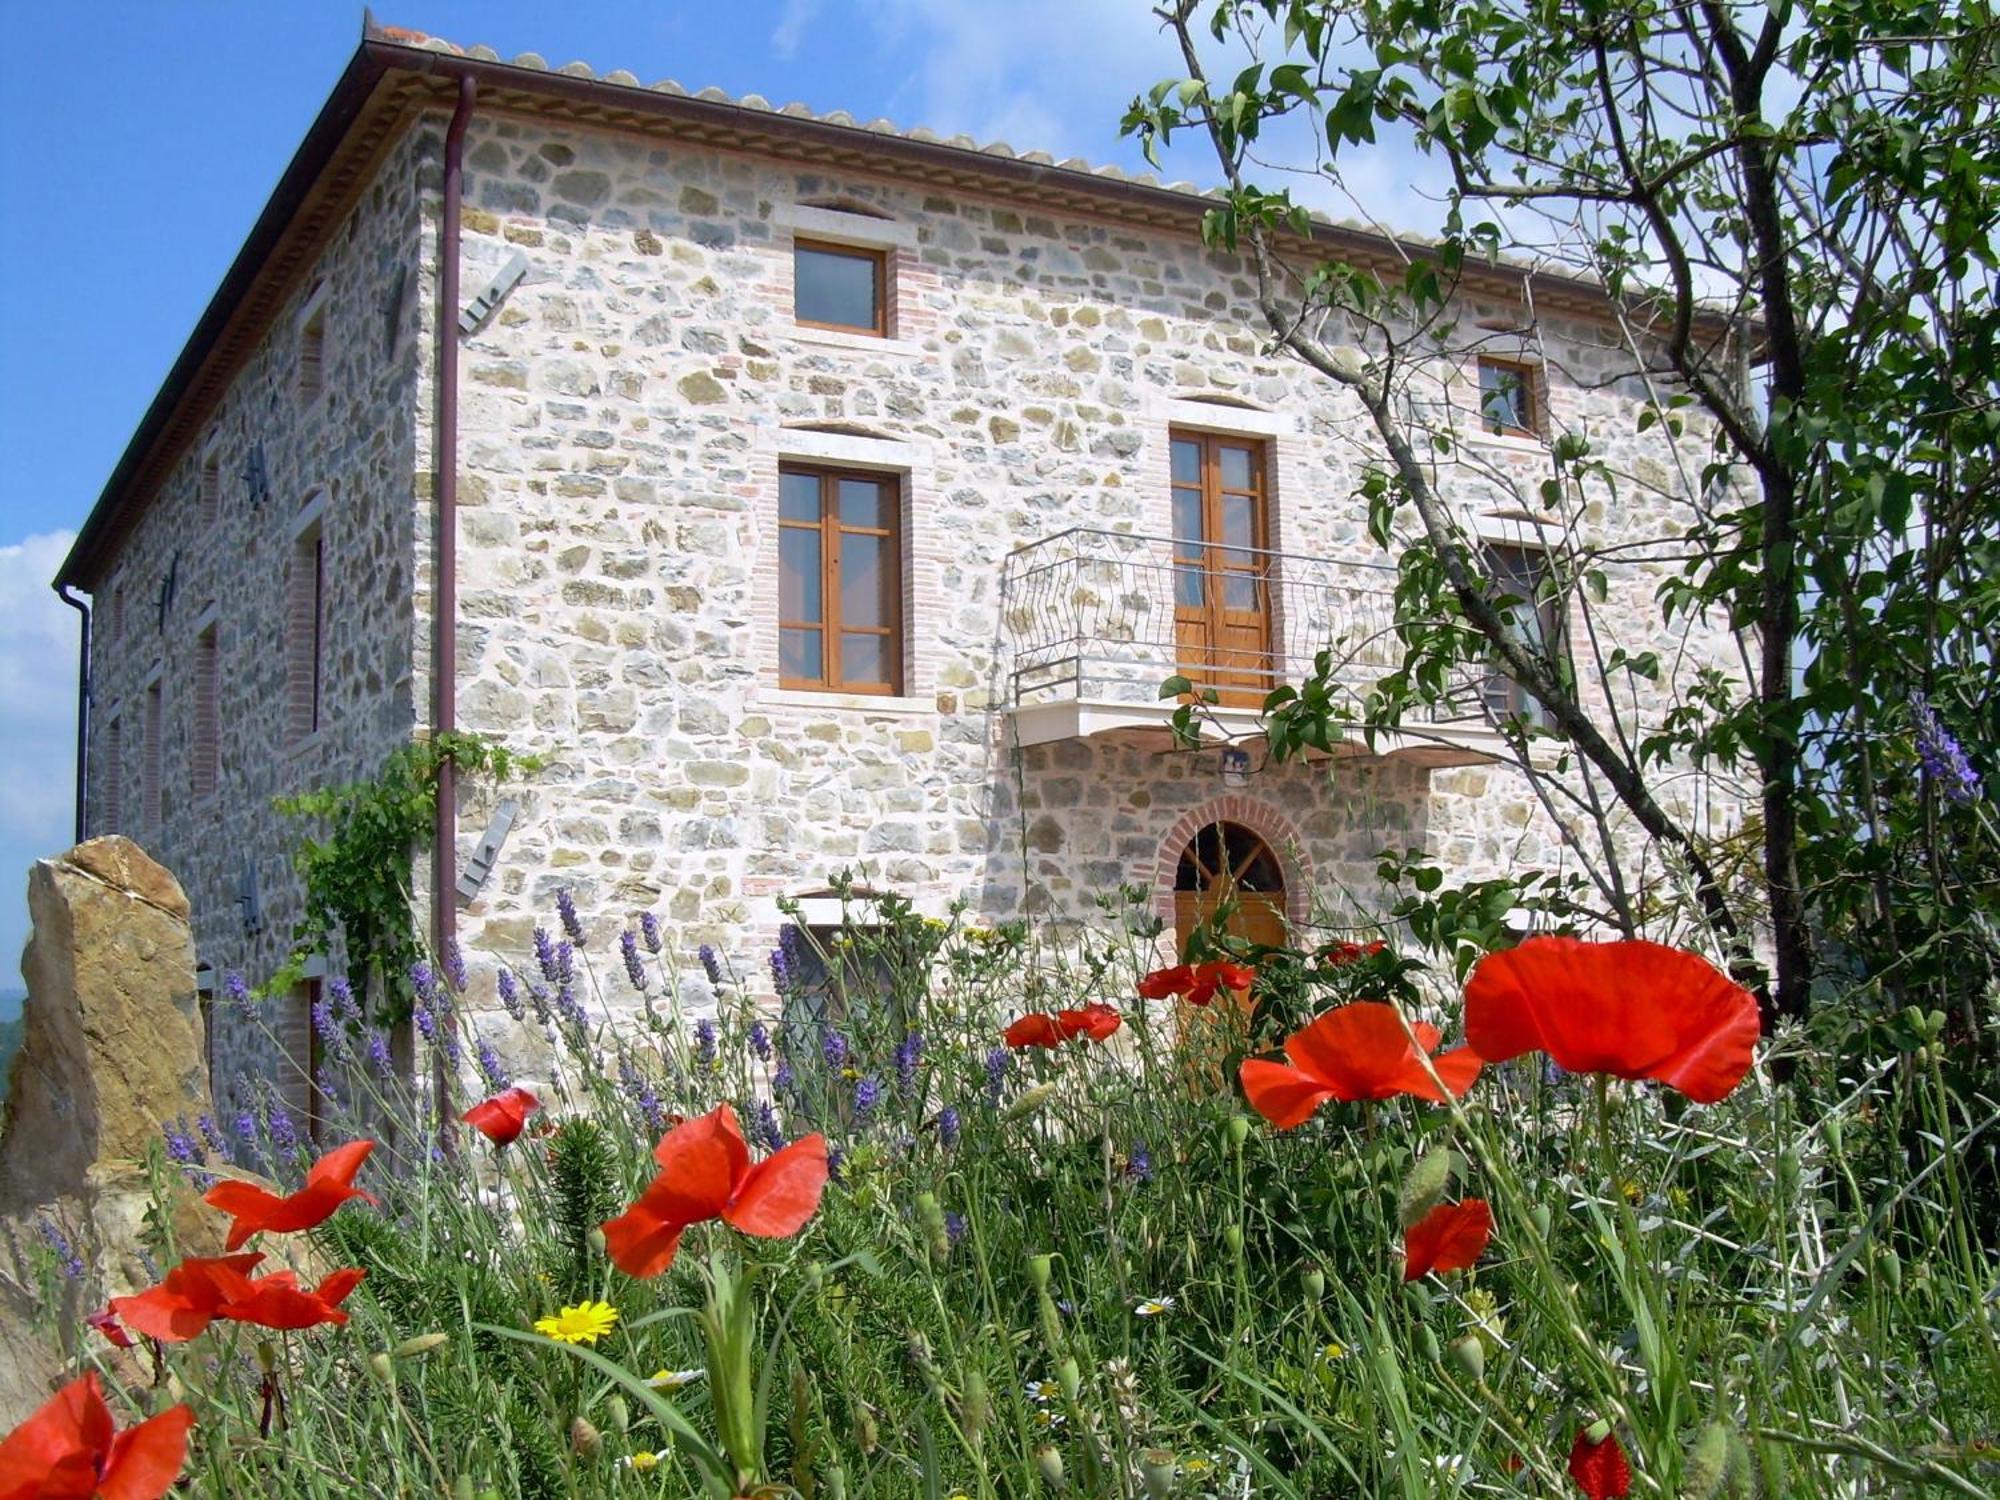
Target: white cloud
[[38, 636], [791, 27]]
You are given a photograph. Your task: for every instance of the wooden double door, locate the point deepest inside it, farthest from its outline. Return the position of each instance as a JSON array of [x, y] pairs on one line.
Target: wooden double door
[[1222, 567]]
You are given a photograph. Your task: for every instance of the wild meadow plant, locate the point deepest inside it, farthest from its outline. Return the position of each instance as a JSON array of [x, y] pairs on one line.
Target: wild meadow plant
[[1001, 1211]]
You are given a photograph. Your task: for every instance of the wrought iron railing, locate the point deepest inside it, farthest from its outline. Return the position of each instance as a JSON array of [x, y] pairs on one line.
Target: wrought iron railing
[[1109, 616]]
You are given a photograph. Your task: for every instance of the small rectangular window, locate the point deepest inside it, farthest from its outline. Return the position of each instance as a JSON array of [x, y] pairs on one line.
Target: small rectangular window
[[204, 754], [208, 491], [1508, 400], [1535, 619], [111, 810], [305, 645], [312, 356], [150, 805], [840, 286], [840, 590]]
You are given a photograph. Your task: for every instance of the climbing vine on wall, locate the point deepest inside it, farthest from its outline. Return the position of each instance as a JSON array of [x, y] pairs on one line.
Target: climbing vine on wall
[[357, 873]]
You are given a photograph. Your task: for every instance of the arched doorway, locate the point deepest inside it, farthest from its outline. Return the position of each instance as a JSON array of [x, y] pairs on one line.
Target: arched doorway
[[1229, 868]]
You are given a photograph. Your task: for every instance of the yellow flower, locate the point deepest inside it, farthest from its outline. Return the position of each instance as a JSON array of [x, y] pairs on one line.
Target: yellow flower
[[1333, 1350], [673, 1380], [1630, 1187], [643, 1461], [585, 1323]]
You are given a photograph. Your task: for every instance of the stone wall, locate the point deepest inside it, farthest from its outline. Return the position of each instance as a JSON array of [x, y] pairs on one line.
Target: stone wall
[[236, 564]]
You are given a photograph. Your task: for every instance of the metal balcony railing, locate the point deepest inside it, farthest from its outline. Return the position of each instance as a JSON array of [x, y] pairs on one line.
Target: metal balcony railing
[[1107, 617]]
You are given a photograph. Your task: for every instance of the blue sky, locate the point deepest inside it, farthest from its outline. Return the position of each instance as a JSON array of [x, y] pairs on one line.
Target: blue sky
[[139, 140]]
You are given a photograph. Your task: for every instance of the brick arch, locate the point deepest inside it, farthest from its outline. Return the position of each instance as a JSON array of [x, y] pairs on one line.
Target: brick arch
[[1262, 818]]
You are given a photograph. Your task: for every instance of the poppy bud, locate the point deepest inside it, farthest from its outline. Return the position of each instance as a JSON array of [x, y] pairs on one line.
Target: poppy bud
[[1741, 1478], [418, 1347], [383, 1369], [1832, 1129], [867, 1431], [836, 1482], [1889, 1265], [595, 1239], [1038, 1271], [1315, 1285], [976, 1406], [585, 1441], [931, 1217], [1049, 1464], [1467, 1356], [815, 1274], [1540, 1217], [1239, 1130], [267, 1357], [1427, 1340], [1068, 1377], [461, 1487], [1424, 1187], [1232, 1236], [1030, 1101], [1707, 1463], [1156, 1470], [620, 1414]]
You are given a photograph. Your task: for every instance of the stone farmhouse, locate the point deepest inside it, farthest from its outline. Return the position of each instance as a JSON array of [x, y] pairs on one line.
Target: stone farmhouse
[[815, 495]]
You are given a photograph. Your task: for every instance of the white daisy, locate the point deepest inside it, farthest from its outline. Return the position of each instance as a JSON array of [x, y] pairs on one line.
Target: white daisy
[[1152, 1307], [673, 1380]]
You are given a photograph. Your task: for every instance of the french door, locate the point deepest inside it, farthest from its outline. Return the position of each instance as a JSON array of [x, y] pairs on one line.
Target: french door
[[1222, 572]]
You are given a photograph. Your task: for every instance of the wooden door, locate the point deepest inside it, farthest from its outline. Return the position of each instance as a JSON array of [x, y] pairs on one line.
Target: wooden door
[[1222, 582], [1228, 869]]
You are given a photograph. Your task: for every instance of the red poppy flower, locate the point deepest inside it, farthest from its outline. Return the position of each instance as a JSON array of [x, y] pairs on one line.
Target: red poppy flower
[[1197, 983], [1355, 1051], [1094, 1021], [1631, 1009], [1451, 1237], [708, 1175], [1600, 1469], [106, 1323], [278, 1301], [329, 1183], [501, 1118], [192, 1296], [1333, 955], [70, 1449]]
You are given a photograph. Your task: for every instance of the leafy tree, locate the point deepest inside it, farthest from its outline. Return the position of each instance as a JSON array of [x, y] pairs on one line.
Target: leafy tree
[[1790, 207]]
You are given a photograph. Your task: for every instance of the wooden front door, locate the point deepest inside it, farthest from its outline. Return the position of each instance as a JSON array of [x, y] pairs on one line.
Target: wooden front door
[[1228, 872], [1222, 582]]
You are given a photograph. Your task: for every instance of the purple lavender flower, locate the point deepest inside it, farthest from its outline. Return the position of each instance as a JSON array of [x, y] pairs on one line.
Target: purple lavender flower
[[997, 1064], [1139, 1163], [545, 955], [909, 1052], [182, 1147], [764, 1127], [211, 1133], [834, 1047], [1943, 758], [948, 1127], [539, 999], [490, 1065], [835, 1160], [710, 964], [453, 1053], [67, 1260], [237, 990], [566, 909], [782, 1079], [378, 1054], [643, 1094], [344, 1004], [760, 1041], [954, 1226], [565, 963], [454, 966], [649, 925], [867, 1094], [571, 1008], [246, 1125], [704, 1042], [321, 1011], [781, 971], [426, 1019], [423, 979], [284, 1135], [510, 992], [635, 966]]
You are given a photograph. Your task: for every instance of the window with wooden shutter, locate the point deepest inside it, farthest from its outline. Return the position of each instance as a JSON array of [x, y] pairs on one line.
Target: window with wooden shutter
[[312, 356], [305, 645], [203, 753], [151, 806], [208, 491], [1509, 397], [110, 810]]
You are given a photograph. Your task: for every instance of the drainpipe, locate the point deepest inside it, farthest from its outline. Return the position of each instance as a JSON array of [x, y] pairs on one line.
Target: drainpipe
[[444, 572], [82, 607]]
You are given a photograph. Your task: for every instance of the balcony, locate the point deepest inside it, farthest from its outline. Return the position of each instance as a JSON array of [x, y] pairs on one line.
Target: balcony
[[1093, 622]]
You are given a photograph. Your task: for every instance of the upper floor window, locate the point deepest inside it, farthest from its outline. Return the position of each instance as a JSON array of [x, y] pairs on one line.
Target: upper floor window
[[840, 589], [1534, 616], [152, 803], [203, 751], [208, 490], [111, 811], [1508, 399], [840, 286], [312, 355], [305, 631]]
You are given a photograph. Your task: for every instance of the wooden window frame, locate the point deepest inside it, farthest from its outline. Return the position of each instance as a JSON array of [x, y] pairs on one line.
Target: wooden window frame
[[879, 257], [205, 751], [1530, 376], [153, 758], [1554, 626], [830, 625]]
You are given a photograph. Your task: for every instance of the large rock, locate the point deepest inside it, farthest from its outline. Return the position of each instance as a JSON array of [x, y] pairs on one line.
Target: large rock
[[112, 1049]]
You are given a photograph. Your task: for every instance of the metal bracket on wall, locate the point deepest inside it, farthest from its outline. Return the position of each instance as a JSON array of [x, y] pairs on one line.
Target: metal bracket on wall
[[482, 307], [248, 899], [478, 865]]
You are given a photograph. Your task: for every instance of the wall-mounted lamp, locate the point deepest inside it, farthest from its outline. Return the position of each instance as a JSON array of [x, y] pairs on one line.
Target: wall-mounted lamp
[[1235, 767]]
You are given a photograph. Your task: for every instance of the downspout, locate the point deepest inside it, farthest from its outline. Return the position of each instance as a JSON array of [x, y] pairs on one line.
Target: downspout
[[82, 607], [444, 572]]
